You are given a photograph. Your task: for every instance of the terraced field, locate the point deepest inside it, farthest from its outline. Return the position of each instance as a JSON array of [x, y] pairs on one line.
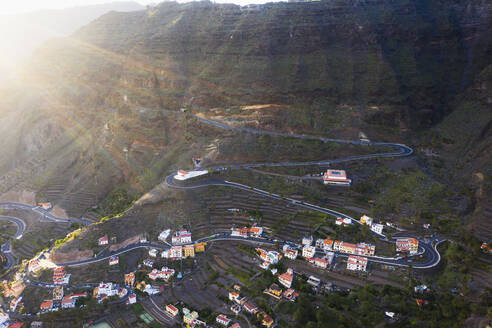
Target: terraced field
[[482, 229], [206, 289], [77, 202], [482, 272], [285, 220]]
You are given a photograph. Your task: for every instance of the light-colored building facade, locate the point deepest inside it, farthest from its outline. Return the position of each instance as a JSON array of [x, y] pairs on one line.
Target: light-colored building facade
[[308, 251], [410, 245], [357, 263]]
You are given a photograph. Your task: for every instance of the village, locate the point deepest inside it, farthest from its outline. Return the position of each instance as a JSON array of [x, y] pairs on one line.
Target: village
[[151, 278]]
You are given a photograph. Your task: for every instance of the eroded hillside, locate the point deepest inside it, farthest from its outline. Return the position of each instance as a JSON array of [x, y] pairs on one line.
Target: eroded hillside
[[95, 112]]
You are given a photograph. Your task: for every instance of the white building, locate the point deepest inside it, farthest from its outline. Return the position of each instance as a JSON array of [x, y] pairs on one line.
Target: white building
[[181, 237], [153, 252], [307, 241], [234, 296], [223, 320], [240, 232], [314, 281], [114, 260], [183, 175], [68, 301], [336, 177], [103, 240], [390, 314], [271, 257], [343, 221], [320, 262], [176, 252], [308, 251], [290, 253], [420, 288], [148, 263], [325, 261], [132, 299], [377, 228], [4, 317], [357, 263], [286, 278], [14, 303], [150, 290], [163, 235], [165, 273], [108, 289]]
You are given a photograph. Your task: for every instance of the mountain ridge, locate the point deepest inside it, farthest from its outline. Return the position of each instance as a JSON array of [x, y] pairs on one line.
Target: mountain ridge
[[102, 97]]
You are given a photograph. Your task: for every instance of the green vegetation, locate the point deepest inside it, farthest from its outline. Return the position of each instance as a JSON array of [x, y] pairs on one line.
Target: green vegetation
[[365, 307], [117, 202], [247, 249], [59, 242], [458, 260], [243, 276]]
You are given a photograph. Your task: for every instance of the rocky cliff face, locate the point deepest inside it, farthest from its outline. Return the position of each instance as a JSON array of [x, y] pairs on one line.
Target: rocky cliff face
[[91, 110], [411, 56]]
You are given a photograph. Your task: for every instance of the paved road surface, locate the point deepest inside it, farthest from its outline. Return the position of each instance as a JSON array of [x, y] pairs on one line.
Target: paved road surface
[[6, 247], [431, 253], [45, 214], [21, 225], [432, 256]]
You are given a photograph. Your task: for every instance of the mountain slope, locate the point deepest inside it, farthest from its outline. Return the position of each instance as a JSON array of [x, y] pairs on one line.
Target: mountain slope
[[409, 57], [90, 113]]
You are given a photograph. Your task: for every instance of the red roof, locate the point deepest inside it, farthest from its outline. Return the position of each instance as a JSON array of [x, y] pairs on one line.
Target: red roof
[[286, 276], [68, 299], [172, 307], [249, 306], [347, 245], [223, 318], [15, 325]]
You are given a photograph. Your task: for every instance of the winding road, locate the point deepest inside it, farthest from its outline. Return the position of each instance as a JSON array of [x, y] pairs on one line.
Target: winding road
[[44, 213], [431, 254], [6, 247], [21, 225]]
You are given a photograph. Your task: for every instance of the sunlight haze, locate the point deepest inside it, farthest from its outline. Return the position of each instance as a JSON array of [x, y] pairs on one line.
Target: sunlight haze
[[15, 7]]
